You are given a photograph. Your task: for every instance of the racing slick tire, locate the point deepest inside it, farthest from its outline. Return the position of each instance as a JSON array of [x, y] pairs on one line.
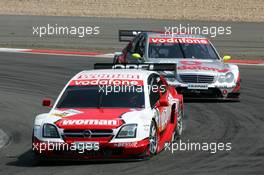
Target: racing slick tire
[[234, 96], [179, 128], [153, 139]]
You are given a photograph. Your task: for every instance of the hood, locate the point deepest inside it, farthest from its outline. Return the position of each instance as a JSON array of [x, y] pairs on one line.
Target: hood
[[196, 65], [93, 118]]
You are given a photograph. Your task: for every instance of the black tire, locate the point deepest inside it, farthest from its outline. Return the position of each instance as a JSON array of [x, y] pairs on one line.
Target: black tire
[[153, 139], [179, 128], [235, 96]]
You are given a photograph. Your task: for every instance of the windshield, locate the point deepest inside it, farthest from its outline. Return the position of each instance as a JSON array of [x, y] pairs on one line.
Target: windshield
[[181, 50], [94, 97]]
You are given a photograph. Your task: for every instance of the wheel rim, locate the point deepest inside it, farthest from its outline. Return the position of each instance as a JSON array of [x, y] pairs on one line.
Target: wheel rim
[[153, 140]]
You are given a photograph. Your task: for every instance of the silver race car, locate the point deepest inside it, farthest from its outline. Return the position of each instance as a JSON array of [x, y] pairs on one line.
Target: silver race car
[[201, 72]]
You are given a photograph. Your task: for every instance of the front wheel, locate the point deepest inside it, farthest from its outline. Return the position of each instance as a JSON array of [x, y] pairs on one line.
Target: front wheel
[[178, 130], [153, 139]]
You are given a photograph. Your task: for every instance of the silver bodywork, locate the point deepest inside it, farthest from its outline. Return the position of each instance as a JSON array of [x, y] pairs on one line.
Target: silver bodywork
[[199, 77]]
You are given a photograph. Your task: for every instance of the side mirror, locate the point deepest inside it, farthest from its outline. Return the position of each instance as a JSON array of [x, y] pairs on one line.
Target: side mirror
[[136, 56], [226, 58], [46, 102], [163, 101]]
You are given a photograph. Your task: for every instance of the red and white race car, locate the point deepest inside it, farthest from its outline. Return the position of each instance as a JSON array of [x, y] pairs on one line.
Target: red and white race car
[[110, 113]]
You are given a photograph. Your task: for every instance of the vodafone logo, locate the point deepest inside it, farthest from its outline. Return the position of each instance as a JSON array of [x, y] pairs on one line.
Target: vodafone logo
[[89, 122], [192, 63], [116, 82], [197, 65], [202, 68], [179, 40]]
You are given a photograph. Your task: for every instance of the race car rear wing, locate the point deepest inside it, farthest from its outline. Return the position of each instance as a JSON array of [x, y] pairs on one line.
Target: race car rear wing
[[128, 35], [159, 67]]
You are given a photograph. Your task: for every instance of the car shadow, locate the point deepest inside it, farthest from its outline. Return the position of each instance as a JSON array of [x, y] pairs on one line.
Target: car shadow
[[211, 100], [27, 159]]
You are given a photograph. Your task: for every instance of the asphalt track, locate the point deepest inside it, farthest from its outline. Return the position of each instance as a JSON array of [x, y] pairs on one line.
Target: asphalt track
[[27, 78], [246, 40]]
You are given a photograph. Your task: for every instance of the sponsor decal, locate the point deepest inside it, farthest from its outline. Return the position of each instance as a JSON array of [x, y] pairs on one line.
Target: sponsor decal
[[197, 86], [165, 116], [147, 127], [116, 82], [108, 76], [178, 40], [68, 122], [197, 65], [191, 63], [134, 66], [144, 66], [223, 86], [126, 144], [67, 113]]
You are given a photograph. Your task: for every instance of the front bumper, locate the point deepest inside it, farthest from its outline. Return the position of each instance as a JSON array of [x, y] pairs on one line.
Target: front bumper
[[210, 93], [213, 91], [120, 150]]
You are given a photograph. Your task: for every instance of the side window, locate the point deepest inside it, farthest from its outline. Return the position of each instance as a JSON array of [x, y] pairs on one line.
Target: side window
[[141, 46], [135, 43], [153, 84], [128, 47]]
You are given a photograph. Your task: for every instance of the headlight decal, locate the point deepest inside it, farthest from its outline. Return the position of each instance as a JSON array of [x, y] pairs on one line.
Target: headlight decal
[[127, 131], [227, 78], [50, 131]]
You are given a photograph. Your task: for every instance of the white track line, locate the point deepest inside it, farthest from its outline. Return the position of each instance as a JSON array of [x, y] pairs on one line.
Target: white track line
[[28, 51], [13, 50], [109, 55]]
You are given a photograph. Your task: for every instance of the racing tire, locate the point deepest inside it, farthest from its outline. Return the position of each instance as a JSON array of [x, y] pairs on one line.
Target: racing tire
[[179, 128], [153, 139], [234, 97]]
